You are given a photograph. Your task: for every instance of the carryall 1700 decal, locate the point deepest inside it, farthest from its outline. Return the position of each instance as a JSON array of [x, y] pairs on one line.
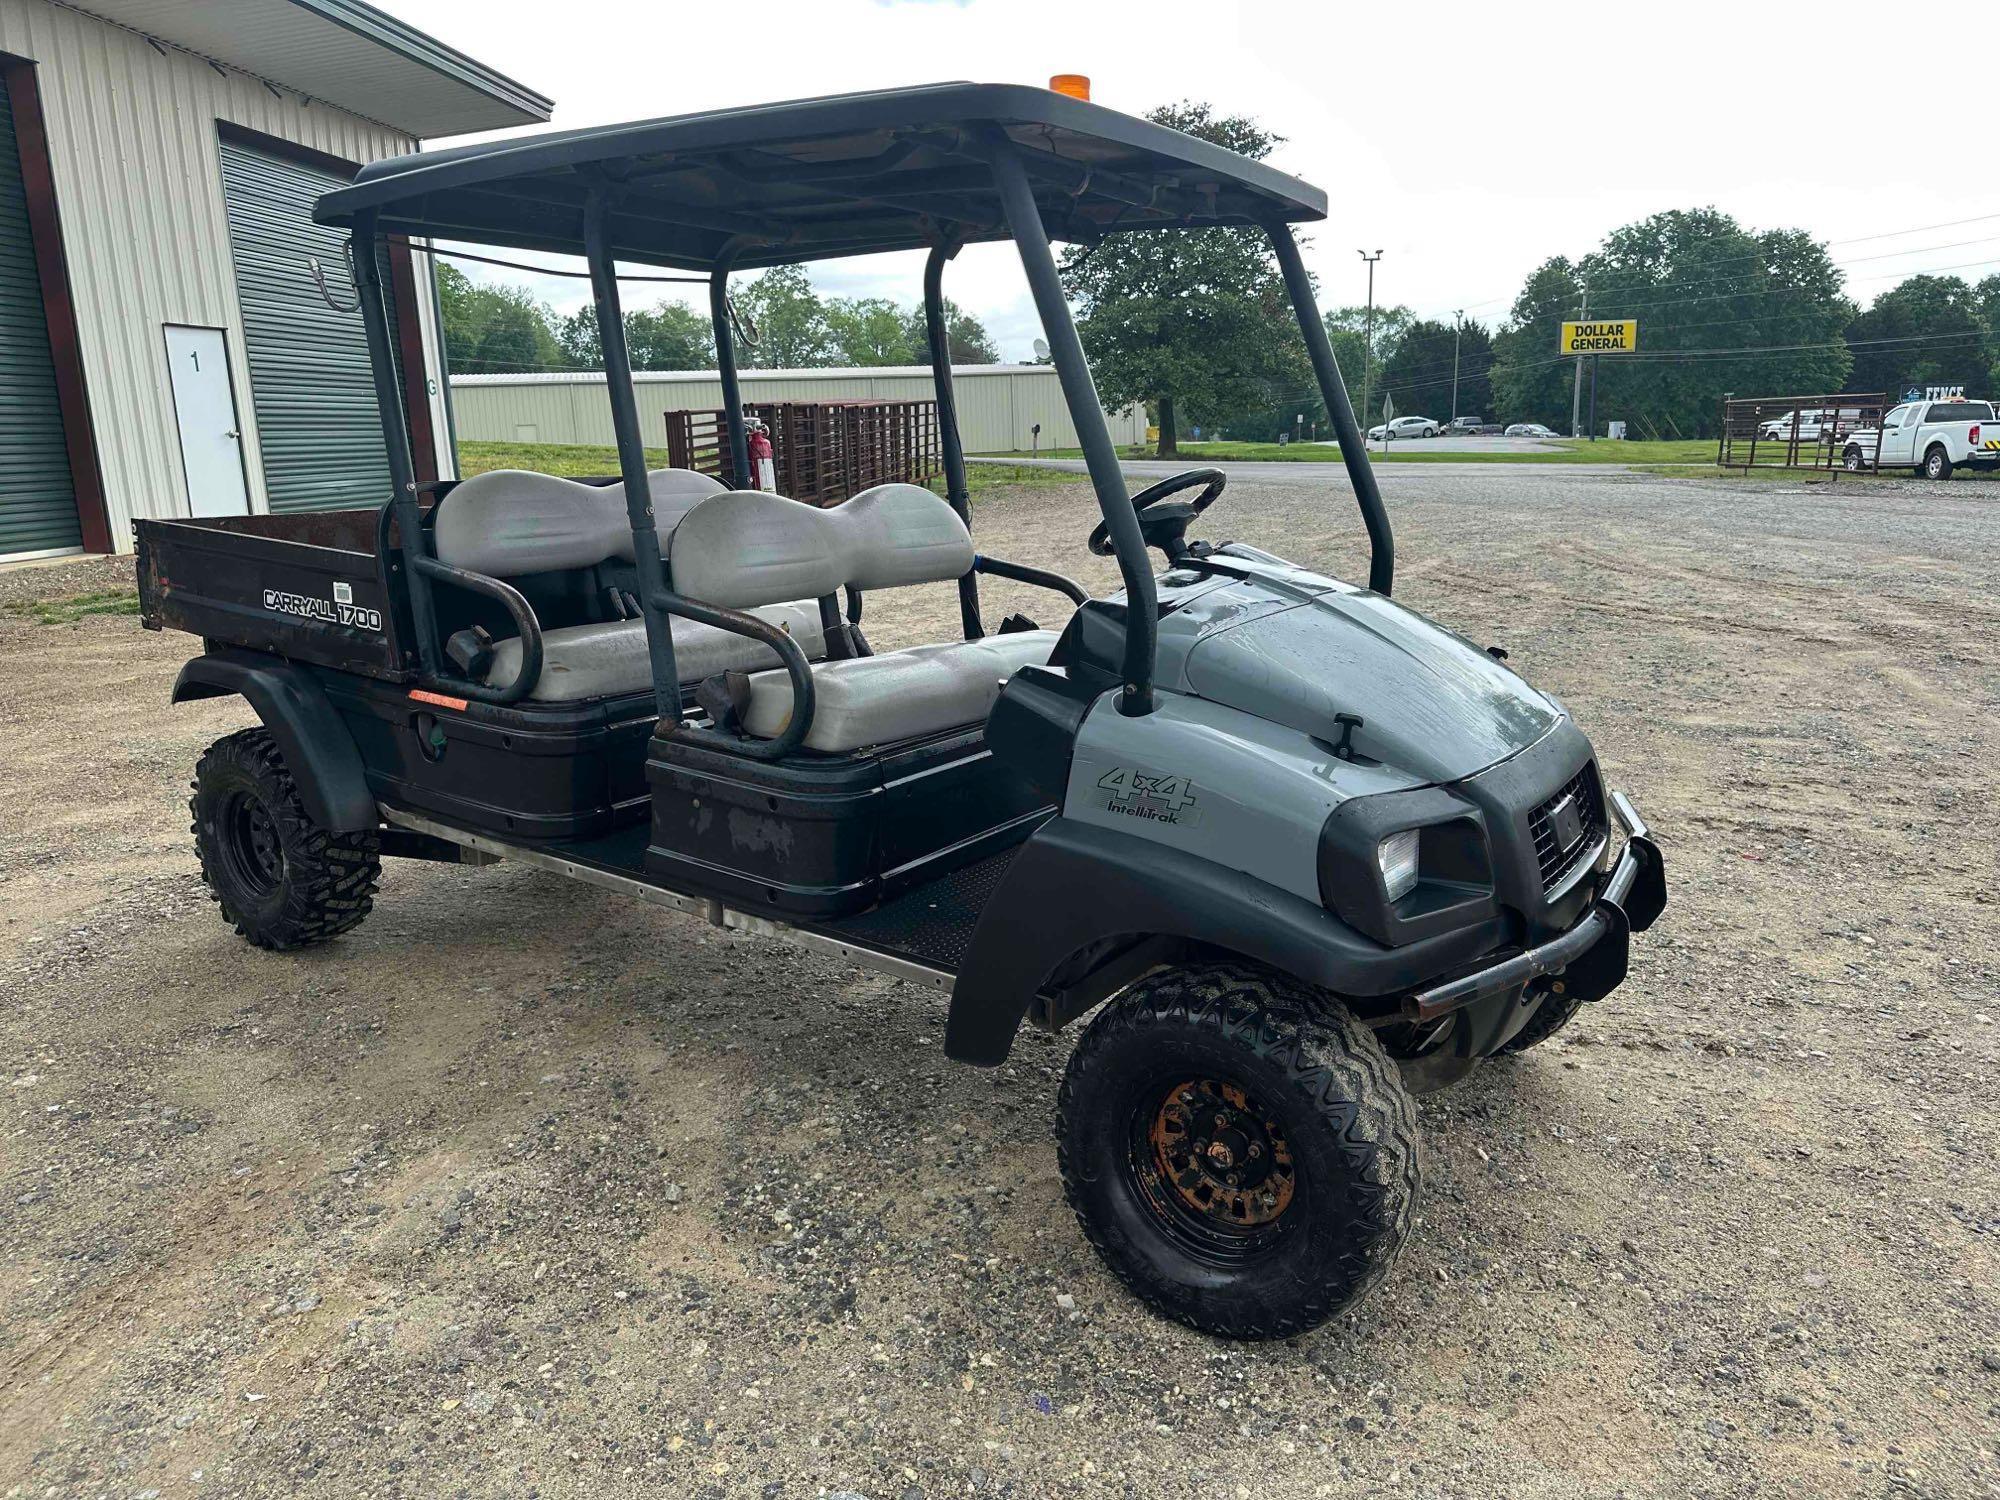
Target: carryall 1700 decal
[[339, 610]]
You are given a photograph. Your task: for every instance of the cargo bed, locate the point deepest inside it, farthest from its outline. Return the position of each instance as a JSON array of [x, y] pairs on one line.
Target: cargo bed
[[310, 587]]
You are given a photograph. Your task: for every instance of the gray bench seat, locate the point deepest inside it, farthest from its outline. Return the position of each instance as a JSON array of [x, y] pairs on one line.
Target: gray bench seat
[[874, 700], [604, 661]]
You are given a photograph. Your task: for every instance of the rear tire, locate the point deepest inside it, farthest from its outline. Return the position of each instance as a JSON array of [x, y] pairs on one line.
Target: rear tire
[[1937, 464], [1239, 1150], [281, 879], [1852, 460]]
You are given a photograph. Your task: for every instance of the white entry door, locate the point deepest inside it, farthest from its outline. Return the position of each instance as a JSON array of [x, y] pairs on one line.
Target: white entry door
[[205, 406]]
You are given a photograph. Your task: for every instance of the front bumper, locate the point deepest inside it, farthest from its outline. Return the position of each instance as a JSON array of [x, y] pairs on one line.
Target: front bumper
[[1593, 954]]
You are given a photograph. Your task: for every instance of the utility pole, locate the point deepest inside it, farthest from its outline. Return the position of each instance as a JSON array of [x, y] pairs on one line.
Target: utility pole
[[1576, 390], [1368, 337], [1457, 333]]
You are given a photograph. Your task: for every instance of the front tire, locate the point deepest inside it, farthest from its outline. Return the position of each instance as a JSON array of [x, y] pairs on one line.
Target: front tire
[[1937, 464], [281, 879], [1239, 1150]]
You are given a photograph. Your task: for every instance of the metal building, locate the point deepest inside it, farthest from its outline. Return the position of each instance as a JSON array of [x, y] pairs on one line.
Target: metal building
[[163, 349], [998, 405]]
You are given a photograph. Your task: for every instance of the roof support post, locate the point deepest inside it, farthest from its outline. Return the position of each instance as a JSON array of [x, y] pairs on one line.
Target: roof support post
[[725, 368], [957, 493], [1332, 390], [395, 439], [1024, 221], [632, 462]]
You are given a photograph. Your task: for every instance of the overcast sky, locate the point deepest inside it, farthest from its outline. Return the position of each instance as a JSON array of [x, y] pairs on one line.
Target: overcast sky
[[1468, 142]]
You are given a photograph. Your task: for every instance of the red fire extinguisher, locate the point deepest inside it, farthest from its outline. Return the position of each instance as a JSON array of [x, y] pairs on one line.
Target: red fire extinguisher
[[763, 468]]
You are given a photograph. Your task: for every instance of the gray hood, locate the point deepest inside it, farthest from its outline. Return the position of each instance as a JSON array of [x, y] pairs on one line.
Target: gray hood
[[1433, 704]]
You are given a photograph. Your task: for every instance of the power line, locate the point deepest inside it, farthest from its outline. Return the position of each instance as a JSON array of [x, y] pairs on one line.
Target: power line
[[1859, 239], [519, 265]]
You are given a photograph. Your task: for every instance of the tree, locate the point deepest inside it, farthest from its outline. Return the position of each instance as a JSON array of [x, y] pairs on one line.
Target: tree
[[1361, 364], [671, 336], [494, 329], [791, 321], [969, 342], [1928, 330], [1189, 322], [864, 331], [1529, 384], [1987, 294], [1720, 308], [1418, 372]]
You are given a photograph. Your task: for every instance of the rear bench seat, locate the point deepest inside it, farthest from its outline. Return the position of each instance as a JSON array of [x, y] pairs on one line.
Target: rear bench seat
[[603, 661], [746, 549], [514, 523]]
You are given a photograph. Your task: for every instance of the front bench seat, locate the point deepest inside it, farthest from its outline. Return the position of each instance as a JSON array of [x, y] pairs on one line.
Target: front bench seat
[[876, 700], [748, 549]]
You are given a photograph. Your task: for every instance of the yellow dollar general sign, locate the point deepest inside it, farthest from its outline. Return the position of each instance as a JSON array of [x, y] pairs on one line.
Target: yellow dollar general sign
[[1621, 337]]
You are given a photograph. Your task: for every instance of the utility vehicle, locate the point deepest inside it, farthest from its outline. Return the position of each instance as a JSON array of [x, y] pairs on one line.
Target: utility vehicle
[[1300, 849], [1932, 437]]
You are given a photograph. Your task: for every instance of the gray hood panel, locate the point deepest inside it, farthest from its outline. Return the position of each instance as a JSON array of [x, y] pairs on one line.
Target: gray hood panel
[[1432, 703]]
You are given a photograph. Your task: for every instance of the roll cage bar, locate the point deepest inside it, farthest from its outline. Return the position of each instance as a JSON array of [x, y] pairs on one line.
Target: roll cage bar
[[999, 184]]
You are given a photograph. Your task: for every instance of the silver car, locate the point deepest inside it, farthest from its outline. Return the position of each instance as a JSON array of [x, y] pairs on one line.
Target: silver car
[[1405, 427]]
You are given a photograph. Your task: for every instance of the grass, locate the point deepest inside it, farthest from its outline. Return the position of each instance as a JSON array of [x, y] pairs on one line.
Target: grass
[[571, 461], [581, 461], [76, 607], [1567, 451]]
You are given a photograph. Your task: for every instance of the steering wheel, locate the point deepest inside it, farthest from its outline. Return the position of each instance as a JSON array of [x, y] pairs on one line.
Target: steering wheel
[[1165, 526]]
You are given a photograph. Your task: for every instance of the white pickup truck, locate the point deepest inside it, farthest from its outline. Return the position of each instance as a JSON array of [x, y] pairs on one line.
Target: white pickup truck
[[1932, 437]]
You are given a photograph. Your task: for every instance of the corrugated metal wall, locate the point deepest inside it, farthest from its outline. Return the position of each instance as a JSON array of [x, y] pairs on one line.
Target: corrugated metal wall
[[997, 404], [132, 143], [317, 422], [37, 496]]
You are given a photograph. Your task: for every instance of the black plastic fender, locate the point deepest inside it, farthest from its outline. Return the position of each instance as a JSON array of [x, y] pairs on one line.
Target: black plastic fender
[[1074, 884], [316, 744]]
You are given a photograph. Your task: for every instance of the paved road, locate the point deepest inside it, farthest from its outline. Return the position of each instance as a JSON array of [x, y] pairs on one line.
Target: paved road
[[1492, 443], [1305, 473]]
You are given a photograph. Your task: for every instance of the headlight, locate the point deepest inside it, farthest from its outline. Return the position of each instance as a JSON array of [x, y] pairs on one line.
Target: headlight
[[1397, 855], [1399, 866]]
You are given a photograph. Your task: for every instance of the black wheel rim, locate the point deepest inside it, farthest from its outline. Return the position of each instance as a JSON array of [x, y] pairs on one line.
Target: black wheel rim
[[1213, 1167], [247, 835]]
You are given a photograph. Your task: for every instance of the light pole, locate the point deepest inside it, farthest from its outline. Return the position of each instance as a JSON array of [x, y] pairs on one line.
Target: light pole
[[1457, 333], [1576, 387], [1368, 337]]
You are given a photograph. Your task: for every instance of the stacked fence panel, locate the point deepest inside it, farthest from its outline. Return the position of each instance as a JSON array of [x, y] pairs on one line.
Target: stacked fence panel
[[823, 452]]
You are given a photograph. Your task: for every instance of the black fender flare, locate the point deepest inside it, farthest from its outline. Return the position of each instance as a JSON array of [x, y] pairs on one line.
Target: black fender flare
[[318, 748], [1074, 884]]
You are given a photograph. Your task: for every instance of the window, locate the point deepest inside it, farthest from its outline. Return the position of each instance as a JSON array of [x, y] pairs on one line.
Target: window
[[1895, 417], [1959, 411]]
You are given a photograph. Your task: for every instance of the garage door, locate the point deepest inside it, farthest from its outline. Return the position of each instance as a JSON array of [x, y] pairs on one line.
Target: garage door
[[37, 498], [317, 424]]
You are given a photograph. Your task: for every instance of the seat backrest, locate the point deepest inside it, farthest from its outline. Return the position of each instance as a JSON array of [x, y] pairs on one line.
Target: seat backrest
[[509, 523], [748, 548]]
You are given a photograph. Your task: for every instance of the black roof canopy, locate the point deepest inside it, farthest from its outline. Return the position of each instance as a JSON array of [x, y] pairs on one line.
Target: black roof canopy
[[811, 179]]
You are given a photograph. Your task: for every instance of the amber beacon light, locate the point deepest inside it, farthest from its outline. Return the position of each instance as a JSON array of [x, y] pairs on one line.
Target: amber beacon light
[[1074, 84]]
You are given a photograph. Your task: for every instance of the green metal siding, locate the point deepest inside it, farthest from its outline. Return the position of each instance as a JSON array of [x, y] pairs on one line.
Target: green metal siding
[[317, 425], [37, 495]]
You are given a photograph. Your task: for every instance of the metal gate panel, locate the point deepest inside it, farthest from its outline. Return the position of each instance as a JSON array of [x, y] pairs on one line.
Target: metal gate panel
[[318, 430], [37, 491]]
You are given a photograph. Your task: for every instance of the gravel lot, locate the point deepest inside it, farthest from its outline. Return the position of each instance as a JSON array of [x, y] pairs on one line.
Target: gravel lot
[[522, 1190]]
